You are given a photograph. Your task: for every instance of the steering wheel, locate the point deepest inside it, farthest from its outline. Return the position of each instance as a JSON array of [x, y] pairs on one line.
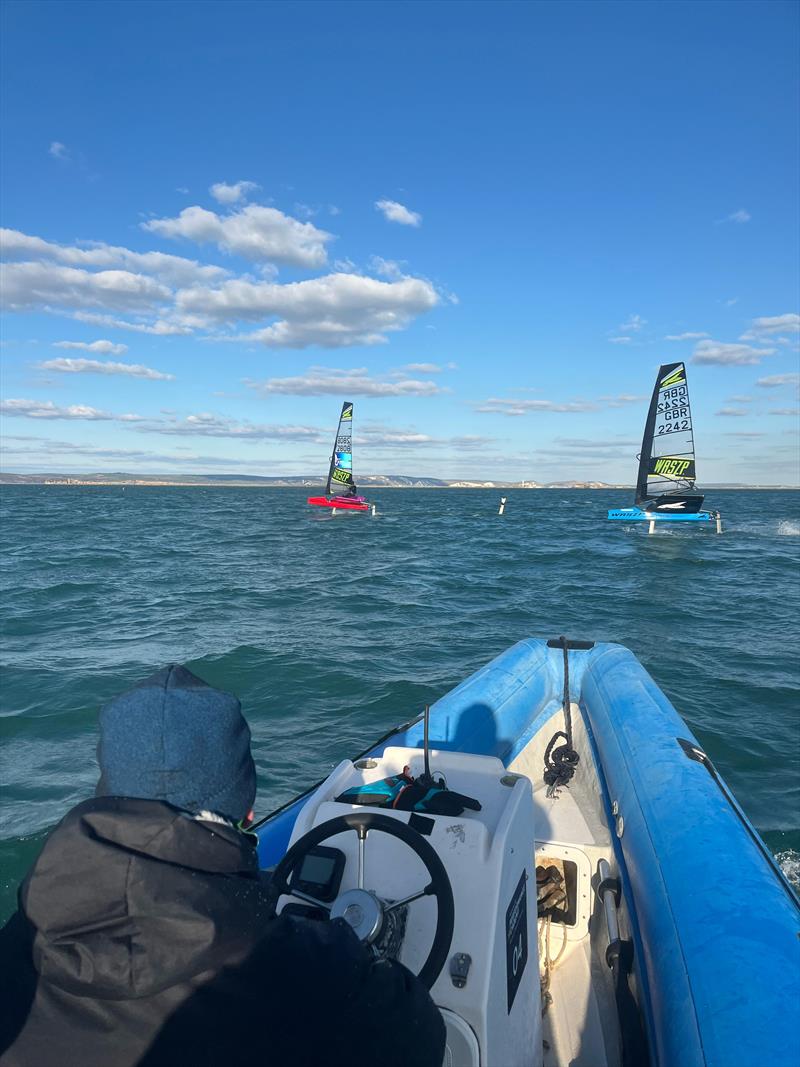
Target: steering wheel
[[363, 910]]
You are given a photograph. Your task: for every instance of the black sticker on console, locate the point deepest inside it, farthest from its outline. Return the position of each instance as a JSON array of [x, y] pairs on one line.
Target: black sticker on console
[[516, 939]]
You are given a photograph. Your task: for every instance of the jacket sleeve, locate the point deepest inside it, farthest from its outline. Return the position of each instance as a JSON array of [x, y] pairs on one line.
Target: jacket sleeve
[[17, 978], [370, 1010]]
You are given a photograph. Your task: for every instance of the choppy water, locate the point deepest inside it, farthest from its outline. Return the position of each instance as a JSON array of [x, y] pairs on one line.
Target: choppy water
[[332, 629]]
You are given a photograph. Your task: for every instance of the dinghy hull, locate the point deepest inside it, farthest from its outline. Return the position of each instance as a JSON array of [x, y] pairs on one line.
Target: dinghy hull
[[712, 922], [339, 503]]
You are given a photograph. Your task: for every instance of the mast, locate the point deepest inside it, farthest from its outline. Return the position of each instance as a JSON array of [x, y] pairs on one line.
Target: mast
[[340, 472]]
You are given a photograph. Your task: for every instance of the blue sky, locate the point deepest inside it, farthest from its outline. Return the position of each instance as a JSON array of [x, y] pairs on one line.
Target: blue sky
[[484, 224]]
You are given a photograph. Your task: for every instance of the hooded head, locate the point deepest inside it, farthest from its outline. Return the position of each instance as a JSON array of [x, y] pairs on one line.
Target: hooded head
[[174, 738]]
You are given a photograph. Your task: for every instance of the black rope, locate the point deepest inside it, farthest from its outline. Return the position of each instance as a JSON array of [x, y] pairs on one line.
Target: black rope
[[560, 763]]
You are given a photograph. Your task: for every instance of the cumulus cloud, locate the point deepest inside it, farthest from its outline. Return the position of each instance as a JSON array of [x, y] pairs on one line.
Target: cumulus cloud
[[103, 348], [159, 327], [255, 232], [729, 354], [689, 336], [96, 366], [394, 212], [46, 409], [423, 368], [332, 311], [166, 295], [376, 436], [774, 381], [171, 270], [771, 326], [205, 424], [331, 381], [26, 286], [230, 194]]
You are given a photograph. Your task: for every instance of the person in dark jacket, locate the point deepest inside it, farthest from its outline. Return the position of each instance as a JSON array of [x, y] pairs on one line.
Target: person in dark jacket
[[146, 935]]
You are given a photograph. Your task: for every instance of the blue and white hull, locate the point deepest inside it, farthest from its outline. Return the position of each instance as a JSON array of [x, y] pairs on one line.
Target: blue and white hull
[[669, 880], [635, 514]]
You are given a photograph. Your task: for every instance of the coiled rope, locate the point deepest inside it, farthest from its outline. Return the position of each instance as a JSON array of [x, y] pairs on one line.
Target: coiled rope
[[560, 763]]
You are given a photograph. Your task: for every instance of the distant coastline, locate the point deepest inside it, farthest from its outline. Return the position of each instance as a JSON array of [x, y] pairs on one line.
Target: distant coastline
[[373, 481]]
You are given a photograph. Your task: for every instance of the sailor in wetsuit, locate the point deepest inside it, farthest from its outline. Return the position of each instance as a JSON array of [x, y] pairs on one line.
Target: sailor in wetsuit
[[145, 933]]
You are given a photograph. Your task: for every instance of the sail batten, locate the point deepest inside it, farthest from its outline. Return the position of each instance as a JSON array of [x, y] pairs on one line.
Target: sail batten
[[667, 467], [340, 472]]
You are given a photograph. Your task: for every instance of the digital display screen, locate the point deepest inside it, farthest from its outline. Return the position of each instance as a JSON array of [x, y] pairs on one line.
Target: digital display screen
[[317, 869]]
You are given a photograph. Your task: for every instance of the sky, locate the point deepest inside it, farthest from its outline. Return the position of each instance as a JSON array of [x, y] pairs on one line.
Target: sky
[[485, 224]]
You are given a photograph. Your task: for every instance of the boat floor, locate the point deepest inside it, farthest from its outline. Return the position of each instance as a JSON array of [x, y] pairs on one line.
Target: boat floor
[[580, 1021]]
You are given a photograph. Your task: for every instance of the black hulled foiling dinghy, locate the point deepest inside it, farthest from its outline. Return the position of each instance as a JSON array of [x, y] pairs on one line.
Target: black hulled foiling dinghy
[[665, 484]]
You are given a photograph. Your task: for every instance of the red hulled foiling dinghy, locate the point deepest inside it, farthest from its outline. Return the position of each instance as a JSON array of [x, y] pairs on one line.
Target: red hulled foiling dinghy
[[341, 493]]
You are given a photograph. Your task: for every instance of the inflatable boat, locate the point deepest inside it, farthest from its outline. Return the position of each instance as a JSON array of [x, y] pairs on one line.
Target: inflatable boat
[[593, 896]]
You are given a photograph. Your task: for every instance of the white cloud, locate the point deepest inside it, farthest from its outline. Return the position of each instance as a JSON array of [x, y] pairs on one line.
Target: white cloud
[[230, 194], [633, 324], [517, 407], [619, 340], [96, 366], [209, 425], [498, 406], [394, 212], [622, 400], [741, 399], [387, 268], [685, 336], [33, 285], [171, 270], [772, 325], [58, 150], [785, 411], [729, 355], [378, 437], [732, 411], [423, 368], [103, 348], [774, 381], [332, 311], [46, 409], [739, 216], [255, 232], [329, 381], [159, 327]]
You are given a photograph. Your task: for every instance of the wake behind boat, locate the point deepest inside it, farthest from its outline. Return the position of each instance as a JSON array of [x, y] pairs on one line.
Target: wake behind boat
[[341, 492], [667, 466], [554, 806]]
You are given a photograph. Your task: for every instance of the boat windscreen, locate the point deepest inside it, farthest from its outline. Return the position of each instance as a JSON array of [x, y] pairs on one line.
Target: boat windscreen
[[340, 474], [667, 461]]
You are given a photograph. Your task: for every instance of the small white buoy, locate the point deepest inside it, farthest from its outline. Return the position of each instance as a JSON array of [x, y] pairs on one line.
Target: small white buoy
[[502, 505], [374, 511], [719, 523]]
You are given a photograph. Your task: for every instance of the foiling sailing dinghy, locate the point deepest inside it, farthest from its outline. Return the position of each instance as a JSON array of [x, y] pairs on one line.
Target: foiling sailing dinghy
[[666, 480], [341, 493], [555, 855]]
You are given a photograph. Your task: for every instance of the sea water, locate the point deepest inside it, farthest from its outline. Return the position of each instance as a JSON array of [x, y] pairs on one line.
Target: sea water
[[332, 628]]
